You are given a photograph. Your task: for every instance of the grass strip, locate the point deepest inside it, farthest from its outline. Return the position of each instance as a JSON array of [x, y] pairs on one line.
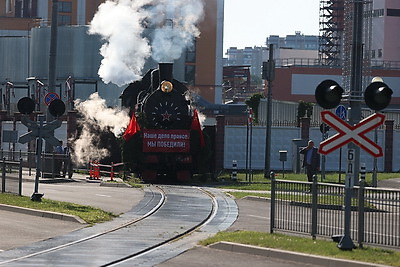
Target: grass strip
[[89, 214], [307, 246]]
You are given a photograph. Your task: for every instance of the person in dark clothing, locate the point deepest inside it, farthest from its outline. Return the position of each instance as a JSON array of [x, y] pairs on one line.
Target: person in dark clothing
[[311, 160]]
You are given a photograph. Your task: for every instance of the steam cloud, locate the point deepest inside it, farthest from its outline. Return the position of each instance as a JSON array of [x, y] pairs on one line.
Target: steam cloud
[[121, 24], [95, 114], [125, 51]]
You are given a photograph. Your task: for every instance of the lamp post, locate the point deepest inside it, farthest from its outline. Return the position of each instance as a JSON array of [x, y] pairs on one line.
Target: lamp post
[[269, 75]]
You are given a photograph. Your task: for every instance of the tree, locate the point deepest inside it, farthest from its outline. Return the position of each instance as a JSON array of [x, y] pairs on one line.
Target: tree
[[253, 102], [304, 109]]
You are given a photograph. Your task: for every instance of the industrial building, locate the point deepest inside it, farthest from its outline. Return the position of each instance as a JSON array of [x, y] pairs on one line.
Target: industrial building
[[25, 32]]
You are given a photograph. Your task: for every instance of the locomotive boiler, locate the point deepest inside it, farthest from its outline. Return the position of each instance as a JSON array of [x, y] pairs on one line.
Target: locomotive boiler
[[164, 141]]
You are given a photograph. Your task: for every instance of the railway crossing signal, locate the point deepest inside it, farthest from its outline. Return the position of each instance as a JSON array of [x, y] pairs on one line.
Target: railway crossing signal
[[40, 131], [347, 133], [26, 106]]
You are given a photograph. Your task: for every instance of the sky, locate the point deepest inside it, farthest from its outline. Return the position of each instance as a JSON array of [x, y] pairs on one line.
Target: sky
[[250, 22]]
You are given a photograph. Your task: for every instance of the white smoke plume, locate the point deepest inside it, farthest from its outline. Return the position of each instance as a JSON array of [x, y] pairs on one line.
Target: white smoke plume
[[94, 111], [121, 24], [125, 51], [176, 27]]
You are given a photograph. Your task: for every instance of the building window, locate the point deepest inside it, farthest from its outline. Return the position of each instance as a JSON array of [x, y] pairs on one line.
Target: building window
[[380, 54], [190, 74], [191, 53], [393, 12], [375, 13], [372, 53], [64, 20], [65, 7]]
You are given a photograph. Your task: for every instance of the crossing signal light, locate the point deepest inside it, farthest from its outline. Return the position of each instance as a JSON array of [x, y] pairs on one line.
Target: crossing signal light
[[57, 108], [377, 95], [328, 94], [26, 105]]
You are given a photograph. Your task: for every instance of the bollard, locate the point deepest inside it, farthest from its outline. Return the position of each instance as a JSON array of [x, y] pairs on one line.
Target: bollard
[[234, 170], [91, 169], [96, 169], [362, 171]]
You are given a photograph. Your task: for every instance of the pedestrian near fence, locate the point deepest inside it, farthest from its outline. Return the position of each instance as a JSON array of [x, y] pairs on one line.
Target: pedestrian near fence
[[311, 161]]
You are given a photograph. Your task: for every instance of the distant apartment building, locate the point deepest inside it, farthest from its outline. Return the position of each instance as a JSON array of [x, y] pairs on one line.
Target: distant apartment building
[[297, 41], [385, 45], [296, 49], [249, 56]]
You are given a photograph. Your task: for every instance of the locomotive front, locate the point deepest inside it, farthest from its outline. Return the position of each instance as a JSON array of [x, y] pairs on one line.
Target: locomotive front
[[167, 137]]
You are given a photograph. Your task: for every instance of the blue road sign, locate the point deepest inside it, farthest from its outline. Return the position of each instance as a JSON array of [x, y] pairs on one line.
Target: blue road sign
[[341, 112], [50, 97]]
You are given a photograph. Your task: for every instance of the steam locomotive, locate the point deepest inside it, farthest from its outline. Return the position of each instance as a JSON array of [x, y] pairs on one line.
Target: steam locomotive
[[164, 141]]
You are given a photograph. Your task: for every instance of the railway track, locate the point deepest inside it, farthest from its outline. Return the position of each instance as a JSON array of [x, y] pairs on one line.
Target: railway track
[[165, 223]]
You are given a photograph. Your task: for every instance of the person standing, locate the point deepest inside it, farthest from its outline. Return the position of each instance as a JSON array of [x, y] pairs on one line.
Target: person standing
[[311, 160]]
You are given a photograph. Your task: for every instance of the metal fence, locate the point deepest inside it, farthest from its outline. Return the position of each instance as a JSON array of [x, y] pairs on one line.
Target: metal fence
[[53, 165], [11, 176], [317, 209]]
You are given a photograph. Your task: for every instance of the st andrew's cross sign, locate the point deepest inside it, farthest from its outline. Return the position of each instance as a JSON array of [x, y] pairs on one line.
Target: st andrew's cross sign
[[347, 133]]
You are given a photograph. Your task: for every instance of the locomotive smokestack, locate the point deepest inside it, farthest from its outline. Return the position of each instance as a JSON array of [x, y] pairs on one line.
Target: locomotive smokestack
[[165, 71]]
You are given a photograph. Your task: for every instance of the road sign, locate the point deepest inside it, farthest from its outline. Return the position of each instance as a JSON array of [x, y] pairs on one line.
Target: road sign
[[341, 112], [49, 97], [347, 133], [46, 131]]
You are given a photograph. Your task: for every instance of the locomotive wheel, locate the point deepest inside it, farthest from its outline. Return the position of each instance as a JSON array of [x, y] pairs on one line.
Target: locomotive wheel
[[183, 176], [149, 176]]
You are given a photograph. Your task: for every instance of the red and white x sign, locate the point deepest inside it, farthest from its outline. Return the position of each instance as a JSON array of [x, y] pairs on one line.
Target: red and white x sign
[[347, 133]]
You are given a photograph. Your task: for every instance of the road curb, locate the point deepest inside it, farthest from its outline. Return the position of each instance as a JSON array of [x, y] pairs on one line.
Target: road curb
[[42, 213], [289, 255]]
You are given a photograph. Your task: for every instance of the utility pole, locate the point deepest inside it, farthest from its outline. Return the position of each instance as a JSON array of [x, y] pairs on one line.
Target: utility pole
[[52, 73], [353, 168], [53, 47], [269, 75]]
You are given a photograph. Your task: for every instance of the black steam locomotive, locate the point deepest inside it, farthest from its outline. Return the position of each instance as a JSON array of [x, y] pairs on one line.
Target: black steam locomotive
[[164, 141]]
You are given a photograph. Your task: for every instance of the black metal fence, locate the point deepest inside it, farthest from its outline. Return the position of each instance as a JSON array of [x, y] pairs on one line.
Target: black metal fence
[[318, 209], [11, 176], [53, 165]]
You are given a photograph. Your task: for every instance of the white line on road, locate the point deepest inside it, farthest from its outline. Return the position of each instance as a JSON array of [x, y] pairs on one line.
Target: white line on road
[[259, 217], [99, 195]]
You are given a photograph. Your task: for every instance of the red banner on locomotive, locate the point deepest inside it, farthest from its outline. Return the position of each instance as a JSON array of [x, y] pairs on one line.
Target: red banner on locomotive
[[166, 141]]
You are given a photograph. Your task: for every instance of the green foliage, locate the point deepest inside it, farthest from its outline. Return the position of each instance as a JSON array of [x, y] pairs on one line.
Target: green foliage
[[304, 110], [89, 214], [253, 102]]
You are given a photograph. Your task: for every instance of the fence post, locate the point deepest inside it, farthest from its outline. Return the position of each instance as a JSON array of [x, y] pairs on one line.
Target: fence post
[[112, 172], [361, 207], [272, 215], [20, 177], [314, 206], [3, 179]]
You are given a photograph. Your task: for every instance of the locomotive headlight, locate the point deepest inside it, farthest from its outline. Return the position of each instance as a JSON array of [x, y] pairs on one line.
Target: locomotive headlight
[[166, 86]]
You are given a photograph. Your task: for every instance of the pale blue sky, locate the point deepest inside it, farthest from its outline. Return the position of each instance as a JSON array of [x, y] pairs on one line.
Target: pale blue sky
[[250, 22]]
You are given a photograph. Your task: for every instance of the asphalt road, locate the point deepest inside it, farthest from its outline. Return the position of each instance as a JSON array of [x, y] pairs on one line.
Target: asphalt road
[[18, 229]]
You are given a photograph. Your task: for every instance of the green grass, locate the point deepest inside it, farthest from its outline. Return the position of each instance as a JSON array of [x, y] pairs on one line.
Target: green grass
[[308, 246], [89, 214]]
